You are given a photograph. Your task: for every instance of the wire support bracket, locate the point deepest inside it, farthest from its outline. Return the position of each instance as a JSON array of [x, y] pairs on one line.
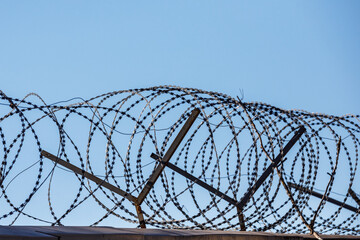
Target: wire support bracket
[[174, 145], [98, 181], [276, 162], [200, 183], [329, 199]]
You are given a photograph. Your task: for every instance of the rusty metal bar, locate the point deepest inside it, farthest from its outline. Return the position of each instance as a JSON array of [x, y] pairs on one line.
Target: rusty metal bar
[[241, 220], [202, 184], [353, 195], [277, 161], [140, 216], [100, 182], [319, 195], [195, 180], [89, 176], [174, 145]]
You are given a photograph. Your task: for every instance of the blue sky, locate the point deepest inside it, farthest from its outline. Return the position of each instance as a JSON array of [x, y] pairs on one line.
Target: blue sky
[[292, 54]]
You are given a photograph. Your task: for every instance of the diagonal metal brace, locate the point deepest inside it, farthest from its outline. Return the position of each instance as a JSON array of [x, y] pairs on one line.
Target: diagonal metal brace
[[202, 184], [99, 181], [239, 205], [353, 195], [174, 145], [319, 195], [277, 161], [89, 176], [195, 180]]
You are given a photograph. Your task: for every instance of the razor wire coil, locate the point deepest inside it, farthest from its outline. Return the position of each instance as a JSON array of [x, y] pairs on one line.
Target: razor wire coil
[[113, 135]]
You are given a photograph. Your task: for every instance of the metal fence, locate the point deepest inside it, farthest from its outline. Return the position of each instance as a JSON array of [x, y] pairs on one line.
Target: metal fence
[[172, 157]]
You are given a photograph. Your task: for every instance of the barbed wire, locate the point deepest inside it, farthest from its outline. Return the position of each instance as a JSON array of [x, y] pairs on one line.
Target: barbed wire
[[229, 147]]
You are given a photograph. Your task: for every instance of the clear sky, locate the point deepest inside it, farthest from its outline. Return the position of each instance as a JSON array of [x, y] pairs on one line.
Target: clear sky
[[292, 54]]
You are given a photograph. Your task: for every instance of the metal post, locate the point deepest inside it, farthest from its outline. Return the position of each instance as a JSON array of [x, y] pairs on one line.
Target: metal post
[[241, 219], [140, 216], [174, 145]]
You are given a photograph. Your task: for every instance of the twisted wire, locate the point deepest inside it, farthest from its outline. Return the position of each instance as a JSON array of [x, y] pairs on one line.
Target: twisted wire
[[229, 146]]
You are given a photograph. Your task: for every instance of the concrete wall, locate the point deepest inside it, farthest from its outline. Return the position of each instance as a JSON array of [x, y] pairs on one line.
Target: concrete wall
[[109, 233]]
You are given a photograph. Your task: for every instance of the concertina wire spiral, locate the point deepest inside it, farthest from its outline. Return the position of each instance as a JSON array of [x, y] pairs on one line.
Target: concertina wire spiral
[[229, 146]]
